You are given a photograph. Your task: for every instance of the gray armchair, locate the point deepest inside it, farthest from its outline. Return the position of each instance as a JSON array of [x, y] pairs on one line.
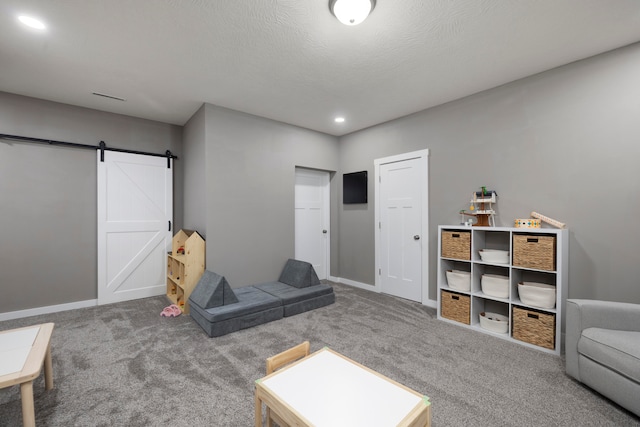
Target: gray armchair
[[603, 349]]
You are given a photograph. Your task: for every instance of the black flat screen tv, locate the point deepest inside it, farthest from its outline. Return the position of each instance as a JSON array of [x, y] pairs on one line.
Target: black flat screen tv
[[354, 188]]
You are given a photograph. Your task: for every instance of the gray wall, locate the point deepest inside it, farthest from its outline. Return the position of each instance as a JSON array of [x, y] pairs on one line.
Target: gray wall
[[195, 182], [250, 171], [564, 143], [48, 242]]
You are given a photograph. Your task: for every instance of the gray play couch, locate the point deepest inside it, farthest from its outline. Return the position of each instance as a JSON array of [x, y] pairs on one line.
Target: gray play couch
[[603, 349], [220, 310]]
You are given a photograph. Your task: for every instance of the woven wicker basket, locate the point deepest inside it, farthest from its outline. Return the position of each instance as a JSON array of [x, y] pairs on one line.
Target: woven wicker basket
[[534, 327], [534, 251], [456, 244], [456, 307]]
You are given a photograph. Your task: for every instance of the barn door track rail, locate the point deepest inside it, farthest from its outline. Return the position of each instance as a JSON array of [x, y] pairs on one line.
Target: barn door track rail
[[102, 147]]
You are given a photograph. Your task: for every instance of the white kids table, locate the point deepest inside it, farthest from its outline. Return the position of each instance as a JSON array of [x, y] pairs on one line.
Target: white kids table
[[23, 352], [329, 389]]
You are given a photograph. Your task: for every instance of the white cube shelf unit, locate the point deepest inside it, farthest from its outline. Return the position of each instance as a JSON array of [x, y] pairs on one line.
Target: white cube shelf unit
[[542, 326]]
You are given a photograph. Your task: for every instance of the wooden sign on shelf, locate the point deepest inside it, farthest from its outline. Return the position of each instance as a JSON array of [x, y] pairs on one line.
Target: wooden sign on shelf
[[548, 220]]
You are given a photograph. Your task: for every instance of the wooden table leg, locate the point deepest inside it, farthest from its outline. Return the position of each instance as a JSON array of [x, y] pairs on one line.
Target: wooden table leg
[[48, 369], [258, 404], [28, 410]]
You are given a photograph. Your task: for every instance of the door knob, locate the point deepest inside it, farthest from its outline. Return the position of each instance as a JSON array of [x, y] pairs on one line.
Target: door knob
[[416, 237], [324, 231]]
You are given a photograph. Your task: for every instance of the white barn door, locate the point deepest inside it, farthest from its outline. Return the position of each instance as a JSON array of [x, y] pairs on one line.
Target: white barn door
[[135, 206], [312, 219]]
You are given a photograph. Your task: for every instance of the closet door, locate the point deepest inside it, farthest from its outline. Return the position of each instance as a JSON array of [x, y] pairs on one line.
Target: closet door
[[401, 229], [402, 225], [312, 219]]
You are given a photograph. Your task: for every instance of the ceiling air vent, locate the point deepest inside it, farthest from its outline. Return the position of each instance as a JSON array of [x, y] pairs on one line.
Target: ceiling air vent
[[104, 95]]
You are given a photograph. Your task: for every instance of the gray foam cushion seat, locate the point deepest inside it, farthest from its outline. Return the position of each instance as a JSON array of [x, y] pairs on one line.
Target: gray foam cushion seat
[[299, 274], [289, 294], [212, 290], [299, 300], [250, 300], [220, 309], [254, 307]]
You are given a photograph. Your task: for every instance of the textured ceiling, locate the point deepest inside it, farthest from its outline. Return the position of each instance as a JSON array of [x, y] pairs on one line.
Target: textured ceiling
[[291, 60]]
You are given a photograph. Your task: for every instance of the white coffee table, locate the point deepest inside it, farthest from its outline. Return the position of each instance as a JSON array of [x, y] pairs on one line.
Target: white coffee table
[[38, 355], [329, 389]]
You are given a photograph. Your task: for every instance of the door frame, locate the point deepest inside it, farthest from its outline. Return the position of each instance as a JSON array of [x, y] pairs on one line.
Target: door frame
[[326, 207], [423, 155]]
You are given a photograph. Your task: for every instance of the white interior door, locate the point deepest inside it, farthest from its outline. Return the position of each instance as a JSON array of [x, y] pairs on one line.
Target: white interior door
[[401, 208], [312, 219], [135, 205]]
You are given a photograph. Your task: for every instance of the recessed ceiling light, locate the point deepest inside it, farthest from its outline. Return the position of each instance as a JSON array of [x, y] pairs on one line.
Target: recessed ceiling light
[[339, 119], [32, 22]]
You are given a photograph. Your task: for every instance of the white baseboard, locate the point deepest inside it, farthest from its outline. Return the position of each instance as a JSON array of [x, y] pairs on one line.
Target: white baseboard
[[47, 310], [353, 283], [429, 302]]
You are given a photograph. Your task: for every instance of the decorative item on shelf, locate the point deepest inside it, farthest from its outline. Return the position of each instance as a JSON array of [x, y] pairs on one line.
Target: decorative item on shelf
[[548, 220], [536, 221], [464, 221], [481, 208], [494, 322], [527, 223]]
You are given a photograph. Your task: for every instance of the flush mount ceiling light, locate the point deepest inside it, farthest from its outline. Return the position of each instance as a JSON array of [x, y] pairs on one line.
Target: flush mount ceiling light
[[31, 22], [339, 120], [351, 12]]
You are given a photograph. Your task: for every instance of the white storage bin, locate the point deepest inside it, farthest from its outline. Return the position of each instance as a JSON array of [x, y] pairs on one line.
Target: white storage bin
[[459, 280], [495, 285], [494, 322], [494, 256], [539, 295]]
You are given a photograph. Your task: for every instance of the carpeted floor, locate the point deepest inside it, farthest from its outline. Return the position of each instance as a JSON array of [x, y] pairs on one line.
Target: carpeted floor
[[124, 365]]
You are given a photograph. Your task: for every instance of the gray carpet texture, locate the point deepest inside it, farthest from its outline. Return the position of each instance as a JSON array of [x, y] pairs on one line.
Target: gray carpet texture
[[124, 365]]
